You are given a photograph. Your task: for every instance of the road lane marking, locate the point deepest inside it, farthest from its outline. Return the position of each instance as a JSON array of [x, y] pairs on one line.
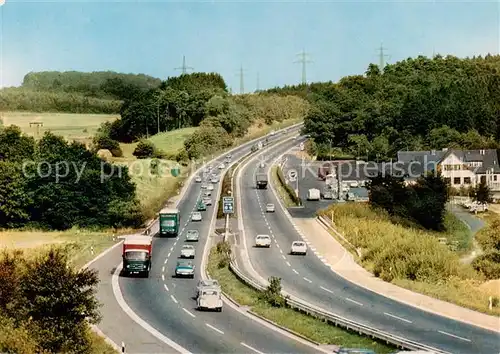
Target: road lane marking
[[168, 256], [454, 336], [174, 299], [398, 318], [215, 329], [327, 290], [295, 271], [251, 348], [353, 301], [283, 256], [189, 313], [288, 264], [281, 251], [165, 286], [309, 281], [166, 259], [163, 277], [163, 269], [171, 249]]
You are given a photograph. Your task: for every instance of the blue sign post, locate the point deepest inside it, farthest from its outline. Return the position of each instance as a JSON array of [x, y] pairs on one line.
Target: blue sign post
[[228, 205]]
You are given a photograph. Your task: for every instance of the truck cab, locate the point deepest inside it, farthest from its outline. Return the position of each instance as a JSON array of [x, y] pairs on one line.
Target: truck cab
[[210, 299], [169, 222], [261, 180], [136, 255]]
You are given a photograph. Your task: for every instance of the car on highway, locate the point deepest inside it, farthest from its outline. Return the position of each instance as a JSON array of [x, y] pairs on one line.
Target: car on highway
[[270, 208], [196, 216], [210, 299], [204, 185], [215, 179], [210, 187], [192, 235], [207, 201], [222, 166], [206, 284], [207, 193], [198, 179], [298, 247], [262, 165], [184, 269], [263, 241], [201, 206], [188, 251]]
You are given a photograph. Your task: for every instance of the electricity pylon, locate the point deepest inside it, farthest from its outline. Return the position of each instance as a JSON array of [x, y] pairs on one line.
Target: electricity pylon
[[381, 57], [304, 61], [242, 83], [184, 68]]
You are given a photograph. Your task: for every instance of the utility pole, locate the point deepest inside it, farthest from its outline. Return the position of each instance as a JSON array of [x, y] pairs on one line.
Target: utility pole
[[381, 57], [304, 61], [184, 68], [242, 85]]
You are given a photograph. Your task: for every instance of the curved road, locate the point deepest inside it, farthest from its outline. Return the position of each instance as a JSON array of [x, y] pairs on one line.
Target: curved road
[[167, 303], [310, 279]]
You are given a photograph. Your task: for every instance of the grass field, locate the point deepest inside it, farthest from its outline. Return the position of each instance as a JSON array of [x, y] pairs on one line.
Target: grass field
[[411, 257], [72, 126], [310, 327]]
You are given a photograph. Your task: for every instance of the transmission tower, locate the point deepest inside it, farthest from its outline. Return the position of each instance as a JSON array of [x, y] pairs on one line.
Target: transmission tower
[[184, 68], [381, 57], [304, 61]]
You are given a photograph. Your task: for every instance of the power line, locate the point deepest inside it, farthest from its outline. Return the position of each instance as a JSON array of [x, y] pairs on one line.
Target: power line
[[184, 68], [303, 60], [381, 57]]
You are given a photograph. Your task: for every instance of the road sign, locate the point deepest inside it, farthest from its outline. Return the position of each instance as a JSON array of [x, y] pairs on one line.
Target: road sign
[[228, 205], [292, 175]]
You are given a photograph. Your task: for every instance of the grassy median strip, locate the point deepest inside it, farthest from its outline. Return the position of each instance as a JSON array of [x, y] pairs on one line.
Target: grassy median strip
[[312, 328]]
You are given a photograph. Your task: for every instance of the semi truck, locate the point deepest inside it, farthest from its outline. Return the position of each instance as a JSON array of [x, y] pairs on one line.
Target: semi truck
[[136, 255], [169, 222], [261, 180]]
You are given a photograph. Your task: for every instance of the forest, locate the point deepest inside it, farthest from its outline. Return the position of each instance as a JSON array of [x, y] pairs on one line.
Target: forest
[[415, 104]]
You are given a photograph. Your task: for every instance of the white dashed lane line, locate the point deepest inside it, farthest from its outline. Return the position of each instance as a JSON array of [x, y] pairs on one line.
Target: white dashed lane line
[[398, 318], [307, 280], [354, 301], [288, 264], [327, 290], [163, 269], [163, 277], [283, 256], [454, 336], [251, 348], [166, 259], [166, 287], [295, 271], [174, 299], [215, 329], [189, 313]]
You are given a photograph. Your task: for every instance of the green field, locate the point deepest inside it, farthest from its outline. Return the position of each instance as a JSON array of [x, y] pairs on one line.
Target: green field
[[70, 125]]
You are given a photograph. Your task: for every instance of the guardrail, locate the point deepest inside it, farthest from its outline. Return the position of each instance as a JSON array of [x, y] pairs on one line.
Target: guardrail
[[328, 224], [302, 306]]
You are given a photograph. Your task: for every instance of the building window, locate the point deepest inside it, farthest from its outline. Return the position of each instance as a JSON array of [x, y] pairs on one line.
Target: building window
[[466, 180], [447, 180], [495, 178], [457, 180]]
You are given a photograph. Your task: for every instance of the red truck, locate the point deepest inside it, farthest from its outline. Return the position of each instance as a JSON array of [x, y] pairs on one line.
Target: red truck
[[137, 251]]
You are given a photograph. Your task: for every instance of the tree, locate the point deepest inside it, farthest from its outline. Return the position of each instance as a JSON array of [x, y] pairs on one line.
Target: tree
[[482, 193], [144, 149]]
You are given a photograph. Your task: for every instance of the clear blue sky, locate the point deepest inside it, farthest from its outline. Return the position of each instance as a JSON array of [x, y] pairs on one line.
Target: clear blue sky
[[151, 37]]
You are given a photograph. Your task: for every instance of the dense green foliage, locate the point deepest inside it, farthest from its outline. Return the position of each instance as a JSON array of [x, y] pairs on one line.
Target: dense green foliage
[[45, 305], [414, 104], [75, 92], [423, 202], [57, 185], [144, 149], [489, 240]]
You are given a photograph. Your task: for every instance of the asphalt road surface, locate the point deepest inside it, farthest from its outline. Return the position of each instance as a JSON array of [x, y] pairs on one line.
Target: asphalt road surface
[[310, 279], [167, 303]]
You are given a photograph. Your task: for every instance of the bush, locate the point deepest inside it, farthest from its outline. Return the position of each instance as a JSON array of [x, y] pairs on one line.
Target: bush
[[488, 264], [224, 250], [287, 187], [207, 140], [272, 294], [144, 149], [105, 142]]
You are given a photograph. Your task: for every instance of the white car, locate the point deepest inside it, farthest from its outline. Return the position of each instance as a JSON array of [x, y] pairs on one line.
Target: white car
[[210, 299], [298, 247], [207, 201], [204, 185], [270, 208], [207, 194], [215, 180], [222, 166], [192, 235], [210, 187], [198, 179], [263, 241], [196, 216], [206, 284], [187, 251]]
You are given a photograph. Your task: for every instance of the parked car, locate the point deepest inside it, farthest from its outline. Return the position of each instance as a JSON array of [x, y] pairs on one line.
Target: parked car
[[298, 247], [263, 241]]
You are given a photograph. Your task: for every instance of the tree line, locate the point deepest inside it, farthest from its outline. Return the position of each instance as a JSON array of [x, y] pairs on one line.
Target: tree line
[[53, 184], [415, 104]]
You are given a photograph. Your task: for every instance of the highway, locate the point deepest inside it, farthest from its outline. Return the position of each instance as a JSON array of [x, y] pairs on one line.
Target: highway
[[167, 304], [309, 278]]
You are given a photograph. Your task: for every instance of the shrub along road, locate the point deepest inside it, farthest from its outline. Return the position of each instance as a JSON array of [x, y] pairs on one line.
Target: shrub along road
[[309, 278]]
